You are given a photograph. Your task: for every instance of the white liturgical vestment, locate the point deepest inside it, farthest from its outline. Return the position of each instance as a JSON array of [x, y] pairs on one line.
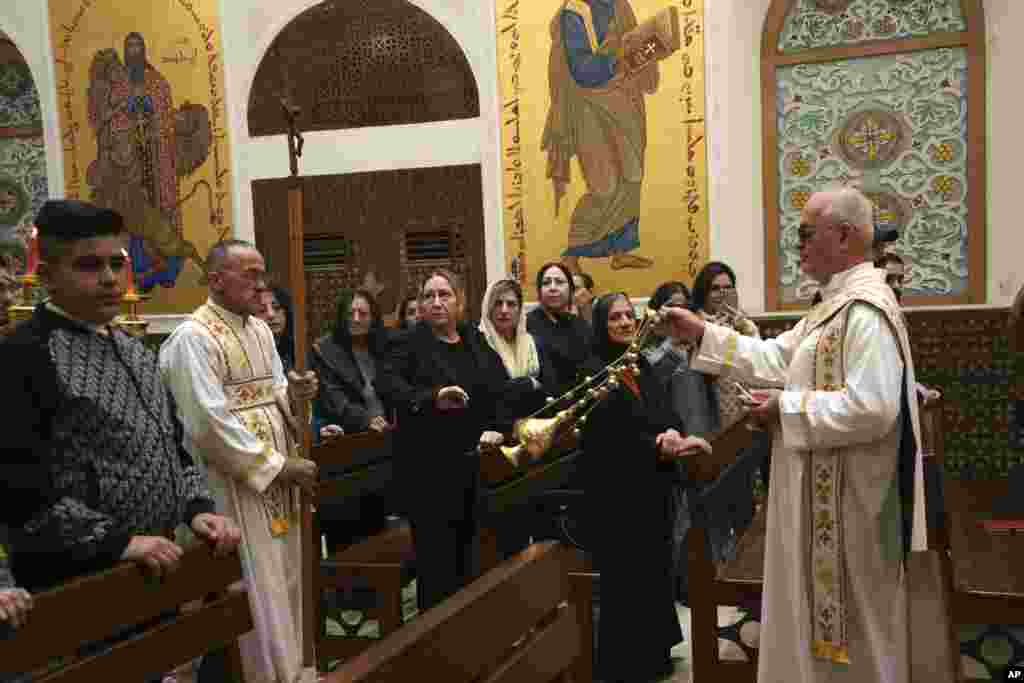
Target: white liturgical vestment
[[857, 421], [231, 392]]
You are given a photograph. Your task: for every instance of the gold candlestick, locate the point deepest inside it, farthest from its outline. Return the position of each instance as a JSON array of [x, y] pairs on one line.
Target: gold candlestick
[[133, 323], [23, 310]]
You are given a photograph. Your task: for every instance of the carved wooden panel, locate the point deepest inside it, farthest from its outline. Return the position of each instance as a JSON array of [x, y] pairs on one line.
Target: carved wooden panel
[[382, 214], [352, 63], [966, 355], [322, 288]]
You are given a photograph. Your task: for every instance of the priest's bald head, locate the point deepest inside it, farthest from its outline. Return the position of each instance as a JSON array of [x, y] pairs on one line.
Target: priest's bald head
[[836, 232]]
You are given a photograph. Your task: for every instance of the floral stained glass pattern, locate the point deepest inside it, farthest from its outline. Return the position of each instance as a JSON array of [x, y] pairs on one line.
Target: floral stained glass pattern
[[896, 126], [23, 173], [19, 101], [829, 23]]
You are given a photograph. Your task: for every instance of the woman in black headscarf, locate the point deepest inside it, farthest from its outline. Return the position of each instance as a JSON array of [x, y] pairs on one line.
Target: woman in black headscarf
[[629, 442]]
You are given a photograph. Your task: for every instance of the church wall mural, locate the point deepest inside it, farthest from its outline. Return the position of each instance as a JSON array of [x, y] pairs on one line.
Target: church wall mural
[[604, 160], [23, 187], [141, 97]]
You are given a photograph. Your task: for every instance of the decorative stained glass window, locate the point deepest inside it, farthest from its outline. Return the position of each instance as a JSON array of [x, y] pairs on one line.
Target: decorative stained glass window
[[881, 95], [826, 23]]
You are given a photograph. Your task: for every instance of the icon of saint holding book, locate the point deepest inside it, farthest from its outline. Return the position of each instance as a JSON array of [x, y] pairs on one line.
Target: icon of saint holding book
[[601, 65]]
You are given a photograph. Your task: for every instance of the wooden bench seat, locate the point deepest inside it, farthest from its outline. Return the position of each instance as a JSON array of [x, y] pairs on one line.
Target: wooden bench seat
[[514, 623], [382, 563]]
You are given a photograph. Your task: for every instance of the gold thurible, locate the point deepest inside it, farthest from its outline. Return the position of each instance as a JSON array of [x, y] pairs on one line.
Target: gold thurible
[[535, 434]]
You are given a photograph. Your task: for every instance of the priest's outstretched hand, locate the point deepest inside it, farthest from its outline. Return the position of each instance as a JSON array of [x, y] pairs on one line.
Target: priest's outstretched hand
[[683, 323], [219, 531]]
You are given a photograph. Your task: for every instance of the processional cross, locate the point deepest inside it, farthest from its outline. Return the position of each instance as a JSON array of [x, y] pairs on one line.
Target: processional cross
[[297, 285]]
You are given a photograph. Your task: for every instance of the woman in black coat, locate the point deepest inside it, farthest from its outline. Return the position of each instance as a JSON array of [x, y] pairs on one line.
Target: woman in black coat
[[562, 337], [629, 442], [445, 382], [346, 362]]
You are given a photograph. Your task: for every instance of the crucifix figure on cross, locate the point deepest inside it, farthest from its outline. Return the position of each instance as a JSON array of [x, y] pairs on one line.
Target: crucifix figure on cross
[[295, 141]]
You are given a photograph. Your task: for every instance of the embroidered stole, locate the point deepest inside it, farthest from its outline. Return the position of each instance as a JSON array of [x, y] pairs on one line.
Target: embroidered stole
[[828, 568], [824, 497], [249, 390]]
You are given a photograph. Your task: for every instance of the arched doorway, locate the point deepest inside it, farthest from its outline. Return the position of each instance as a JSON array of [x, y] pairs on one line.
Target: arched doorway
[[353, 65]]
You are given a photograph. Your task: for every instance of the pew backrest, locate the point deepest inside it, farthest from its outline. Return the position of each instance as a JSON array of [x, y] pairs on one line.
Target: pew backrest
[[94, 608], [512, 623]]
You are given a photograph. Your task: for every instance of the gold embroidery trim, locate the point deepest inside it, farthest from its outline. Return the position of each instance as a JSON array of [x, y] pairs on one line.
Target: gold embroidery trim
[[730, 350], [836, 653], [829, 610], [250, 393]]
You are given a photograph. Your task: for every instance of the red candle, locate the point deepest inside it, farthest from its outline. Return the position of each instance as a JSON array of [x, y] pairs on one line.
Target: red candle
[[131, 273], [33, 252]]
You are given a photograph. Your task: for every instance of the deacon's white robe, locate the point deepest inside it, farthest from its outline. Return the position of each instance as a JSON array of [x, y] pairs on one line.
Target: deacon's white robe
[[231, 393], [863, 421]]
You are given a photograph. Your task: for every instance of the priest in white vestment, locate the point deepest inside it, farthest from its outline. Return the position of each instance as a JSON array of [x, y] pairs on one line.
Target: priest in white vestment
[[233, 397], [846, 495]]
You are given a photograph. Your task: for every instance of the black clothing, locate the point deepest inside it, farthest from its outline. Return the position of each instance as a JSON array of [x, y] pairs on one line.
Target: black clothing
[[629, 528], [436, 463], [565, 346], [341, 399], [93, 450]]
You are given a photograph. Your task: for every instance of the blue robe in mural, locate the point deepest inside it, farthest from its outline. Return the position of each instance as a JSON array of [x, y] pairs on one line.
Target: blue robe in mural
[[601, 120]]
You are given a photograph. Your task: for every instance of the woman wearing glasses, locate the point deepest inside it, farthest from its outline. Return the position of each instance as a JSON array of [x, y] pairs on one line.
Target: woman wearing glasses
[[715, 299]]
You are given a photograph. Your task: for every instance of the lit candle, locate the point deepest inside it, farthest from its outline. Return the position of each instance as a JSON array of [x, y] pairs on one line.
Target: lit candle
[[33, 252], [131, 273]]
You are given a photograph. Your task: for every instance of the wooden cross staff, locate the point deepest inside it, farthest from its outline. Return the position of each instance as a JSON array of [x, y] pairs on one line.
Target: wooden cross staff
[[297, 284]]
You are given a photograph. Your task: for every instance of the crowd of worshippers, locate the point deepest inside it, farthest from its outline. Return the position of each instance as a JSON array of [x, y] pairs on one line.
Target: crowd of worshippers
[[112, 449]]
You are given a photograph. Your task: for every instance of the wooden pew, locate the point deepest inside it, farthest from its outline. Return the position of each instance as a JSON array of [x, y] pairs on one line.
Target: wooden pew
[[507, 492], [94, 608], [979, 570], [740, 580], [735, 583], [353, 466], [511, 624], [361, 464]]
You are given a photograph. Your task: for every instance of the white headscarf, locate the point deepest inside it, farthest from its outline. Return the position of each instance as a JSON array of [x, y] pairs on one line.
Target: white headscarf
[[520, 357]]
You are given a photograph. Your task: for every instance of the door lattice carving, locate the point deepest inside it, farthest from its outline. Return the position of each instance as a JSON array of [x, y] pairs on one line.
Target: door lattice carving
[[349, 64], [400, 224]]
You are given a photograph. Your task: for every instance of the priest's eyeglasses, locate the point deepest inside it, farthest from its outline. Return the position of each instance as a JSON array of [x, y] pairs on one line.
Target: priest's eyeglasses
[[806, 232]]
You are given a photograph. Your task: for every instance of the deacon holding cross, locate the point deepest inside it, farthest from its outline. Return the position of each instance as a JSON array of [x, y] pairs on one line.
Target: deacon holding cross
[[230, 386]]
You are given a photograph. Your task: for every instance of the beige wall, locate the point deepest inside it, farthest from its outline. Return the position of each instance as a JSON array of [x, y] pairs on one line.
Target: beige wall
[[733, 43]]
